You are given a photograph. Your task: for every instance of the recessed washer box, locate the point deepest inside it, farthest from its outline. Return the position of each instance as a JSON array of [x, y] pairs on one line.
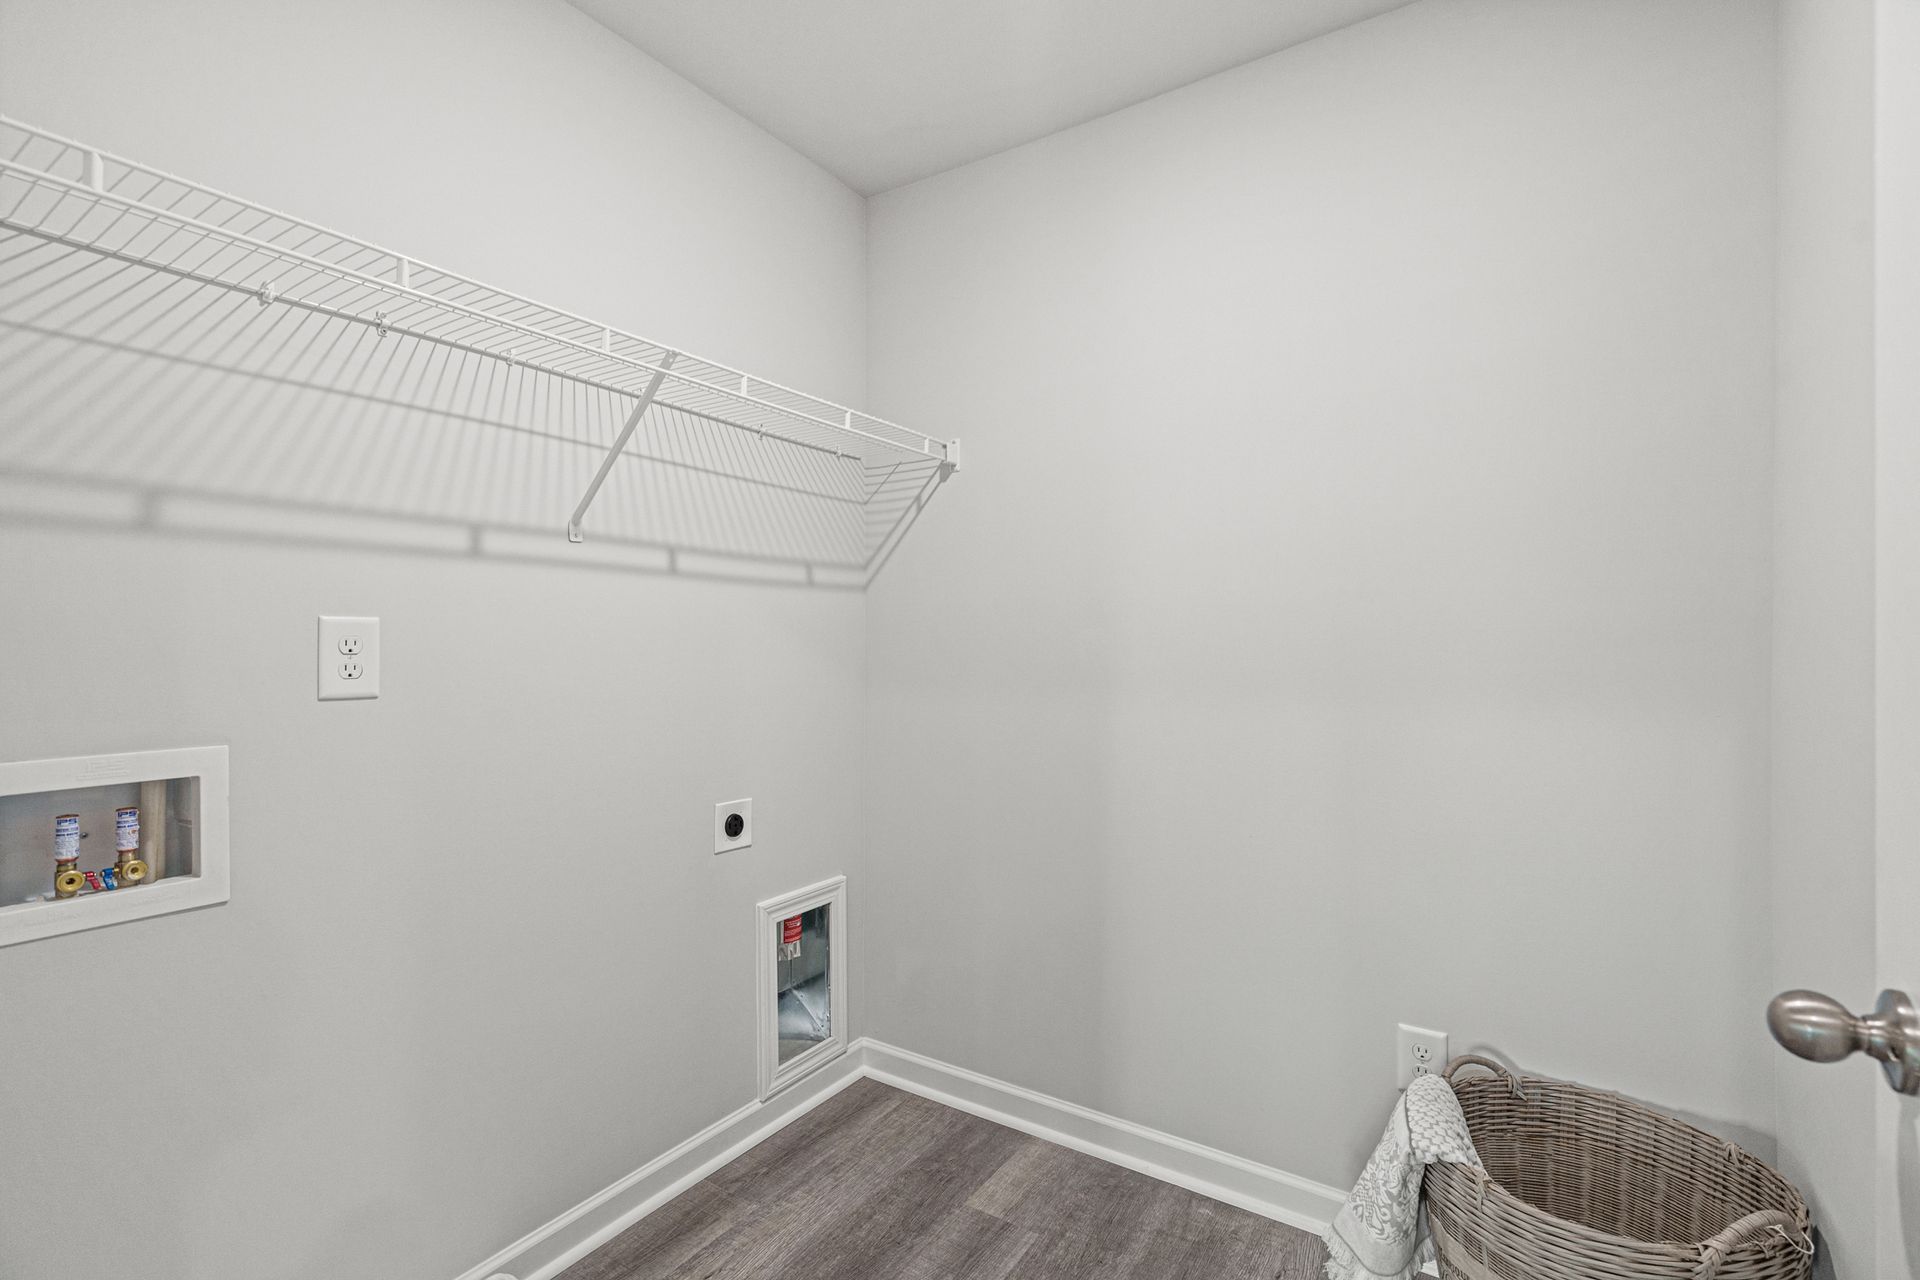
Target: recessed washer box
[[179, 799]]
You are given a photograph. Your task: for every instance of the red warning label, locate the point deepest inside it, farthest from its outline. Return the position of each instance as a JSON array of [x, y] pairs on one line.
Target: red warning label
[[790, 929]]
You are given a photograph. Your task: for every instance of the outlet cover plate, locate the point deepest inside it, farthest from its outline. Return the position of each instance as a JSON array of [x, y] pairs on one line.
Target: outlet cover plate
[[722, 841], [348, 659], [1420, 1052]]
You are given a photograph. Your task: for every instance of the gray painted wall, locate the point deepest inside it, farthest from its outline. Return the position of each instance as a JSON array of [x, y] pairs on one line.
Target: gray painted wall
[[1373, 599], [480, 960], [1358, 607]]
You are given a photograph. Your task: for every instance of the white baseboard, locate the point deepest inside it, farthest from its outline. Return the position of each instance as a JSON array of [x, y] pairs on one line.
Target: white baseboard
[[548, 1250], [1258, 1188]]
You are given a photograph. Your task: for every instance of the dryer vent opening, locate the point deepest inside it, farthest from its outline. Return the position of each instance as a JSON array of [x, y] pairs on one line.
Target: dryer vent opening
[[803, 982], [804, 997]]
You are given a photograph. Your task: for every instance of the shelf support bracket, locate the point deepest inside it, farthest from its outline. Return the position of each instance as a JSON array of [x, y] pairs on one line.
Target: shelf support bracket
[[619, 447]]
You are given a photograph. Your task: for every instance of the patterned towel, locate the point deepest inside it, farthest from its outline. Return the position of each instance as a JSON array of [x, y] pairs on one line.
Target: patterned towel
[[1379, 1231]]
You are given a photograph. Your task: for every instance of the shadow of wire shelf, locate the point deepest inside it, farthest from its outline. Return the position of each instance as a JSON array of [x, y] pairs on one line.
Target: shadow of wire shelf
[[270, 351]]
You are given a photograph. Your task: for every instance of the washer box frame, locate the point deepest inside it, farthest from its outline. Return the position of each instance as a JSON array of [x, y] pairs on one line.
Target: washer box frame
[[208, 884], [832, 894]]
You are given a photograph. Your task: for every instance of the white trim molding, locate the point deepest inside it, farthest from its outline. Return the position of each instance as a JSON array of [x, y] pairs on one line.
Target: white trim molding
[[1257, 1188], [548, 1250], [776, 1075], [551, 1248]]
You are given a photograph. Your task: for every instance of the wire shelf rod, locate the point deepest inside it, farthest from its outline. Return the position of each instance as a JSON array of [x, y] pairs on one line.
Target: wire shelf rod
[[477, 320], [165, 288], [131, 206], [385, 325]]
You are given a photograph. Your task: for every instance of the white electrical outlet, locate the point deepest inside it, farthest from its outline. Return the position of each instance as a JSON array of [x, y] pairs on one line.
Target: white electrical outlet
[[349, 658], [732, 825], [1420, 1053]]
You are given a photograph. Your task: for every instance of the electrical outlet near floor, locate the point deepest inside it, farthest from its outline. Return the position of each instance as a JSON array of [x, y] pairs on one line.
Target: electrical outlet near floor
[[1421, 1053]]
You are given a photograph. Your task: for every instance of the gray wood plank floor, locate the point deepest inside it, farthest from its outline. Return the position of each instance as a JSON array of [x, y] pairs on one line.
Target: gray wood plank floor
[[877, 1184]]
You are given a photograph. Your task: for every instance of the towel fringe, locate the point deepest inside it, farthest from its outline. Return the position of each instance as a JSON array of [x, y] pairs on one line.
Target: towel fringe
[[1342, 1264]]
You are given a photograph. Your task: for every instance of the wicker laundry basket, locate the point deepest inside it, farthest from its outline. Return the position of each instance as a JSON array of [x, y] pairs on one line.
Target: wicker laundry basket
[[1586, 1185]]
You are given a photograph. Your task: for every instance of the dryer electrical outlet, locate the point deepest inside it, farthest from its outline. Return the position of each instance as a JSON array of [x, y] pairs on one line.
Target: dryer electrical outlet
[[348, 659], [732, 825]]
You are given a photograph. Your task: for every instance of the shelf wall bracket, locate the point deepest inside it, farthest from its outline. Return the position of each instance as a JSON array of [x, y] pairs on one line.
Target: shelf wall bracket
[[619, 447]]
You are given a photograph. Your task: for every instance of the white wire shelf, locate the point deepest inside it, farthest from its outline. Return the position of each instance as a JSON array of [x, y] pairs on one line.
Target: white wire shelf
[[159, 290]]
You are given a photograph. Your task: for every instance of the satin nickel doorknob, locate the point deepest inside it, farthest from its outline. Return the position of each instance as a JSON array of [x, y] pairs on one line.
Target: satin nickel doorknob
[[1818, 1028]]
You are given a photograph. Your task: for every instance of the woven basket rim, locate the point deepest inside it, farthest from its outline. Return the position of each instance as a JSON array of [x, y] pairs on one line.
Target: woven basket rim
[[1678, 1250]]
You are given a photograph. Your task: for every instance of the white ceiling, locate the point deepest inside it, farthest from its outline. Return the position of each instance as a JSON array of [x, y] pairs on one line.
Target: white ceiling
[[882, 92]]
